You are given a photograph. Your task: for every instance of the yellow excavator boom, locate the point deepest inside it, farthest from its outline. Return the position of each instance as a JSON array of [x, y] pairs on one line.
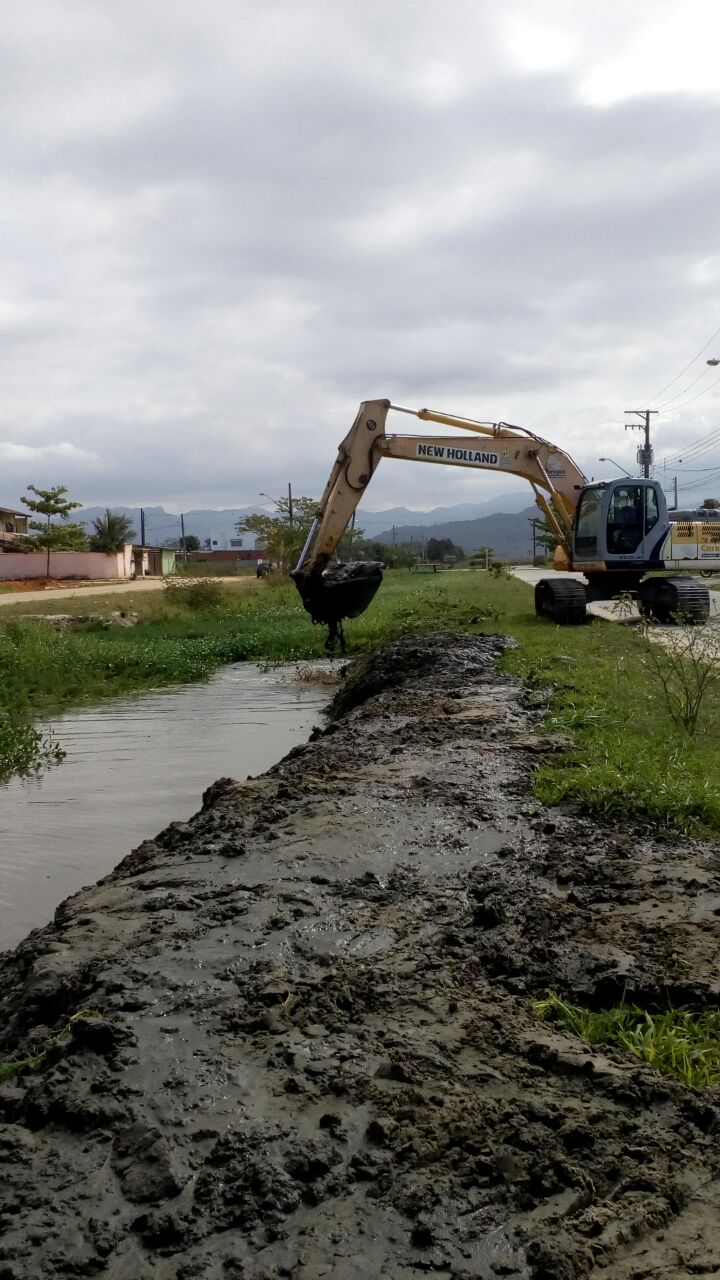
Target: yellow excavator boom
[[552, 473]]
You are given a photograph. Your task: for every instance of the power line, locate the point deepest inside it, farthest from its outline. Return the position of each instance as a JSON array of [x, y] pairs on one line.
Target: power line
[[694, 448], [679, 375], [697, 397], [700, 470], [694, 484], [685, 390]]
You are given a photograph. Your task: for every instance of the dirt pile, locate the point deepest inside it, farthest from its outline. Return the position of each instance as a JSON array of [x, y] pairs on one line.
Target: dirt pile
[[317, 1055]]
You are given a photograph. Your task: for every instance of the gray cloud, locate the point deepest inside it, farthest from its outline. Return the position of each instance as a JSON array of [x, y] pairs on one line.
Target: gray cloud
[[225, 227]]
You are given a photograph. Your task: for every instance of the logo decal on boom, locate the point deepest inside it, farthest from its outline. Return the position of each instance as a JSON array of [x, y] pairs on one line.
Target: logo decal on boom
[[466, 457]]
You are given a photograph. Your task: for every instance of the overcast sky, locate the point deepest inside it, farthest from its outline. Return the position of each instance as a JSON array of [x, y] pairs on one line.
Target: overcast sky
[[223, 225]]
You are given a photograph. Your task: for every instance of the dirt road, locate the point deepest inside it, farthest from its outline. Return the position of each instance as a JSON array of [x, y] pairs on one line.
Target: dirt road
[[107, 589], [317, 1055]]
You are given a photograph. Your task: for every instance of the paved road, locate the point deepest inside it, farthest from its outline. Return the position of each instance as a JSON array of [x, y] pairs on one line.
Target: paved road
[[102, 589]]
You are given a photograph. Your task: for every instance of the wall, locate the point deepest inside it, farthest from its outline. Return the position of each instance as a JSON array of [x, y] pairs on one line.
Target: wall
[[66, 564], [226, 555]]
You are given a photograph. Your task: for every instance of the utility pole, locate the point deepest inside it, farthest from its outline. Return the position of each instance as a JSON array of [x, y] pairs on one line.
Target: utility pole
[[142, 526], [290, 506], [182, 537], [645, 451], [675, 488]]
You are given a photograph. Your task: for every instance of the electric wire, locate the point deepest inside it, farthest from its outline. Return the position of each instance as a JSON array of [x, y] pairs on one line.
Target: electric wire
[[694, 448], [685, 390], [693, 483], [679, 375], [700, 470], [693, 454], [696, 397]]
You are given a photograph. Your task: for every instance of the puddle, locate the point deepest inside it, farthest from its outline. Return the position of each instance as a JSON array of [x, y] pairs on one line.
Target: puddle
[[132, 766]]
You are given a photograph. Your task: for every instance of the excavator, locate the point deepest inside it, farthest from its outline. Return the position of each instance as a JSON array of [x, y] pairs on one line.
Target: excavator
[[615, 532]]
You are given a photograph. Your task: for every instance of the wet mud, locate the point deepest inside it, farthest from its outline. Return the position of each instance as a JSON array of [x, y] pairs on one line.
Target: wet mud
[[317, 1054]]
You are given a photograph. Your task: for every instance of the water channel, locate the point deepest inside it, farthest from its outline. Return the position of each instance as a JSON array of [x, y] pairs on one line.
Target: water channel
[[132, 766]]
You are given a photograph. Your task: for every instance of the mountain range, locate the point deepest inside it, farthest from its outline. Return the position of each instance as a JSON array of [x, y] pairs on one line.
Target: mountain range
[[501, 522], [398, 523], [508, 533]]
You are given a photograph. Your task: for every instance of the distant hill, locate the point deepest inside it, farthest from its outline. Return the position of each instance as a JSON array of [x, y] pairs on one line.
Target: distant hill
[[373, 523], [162, 525], [466, 520], [508, 533]]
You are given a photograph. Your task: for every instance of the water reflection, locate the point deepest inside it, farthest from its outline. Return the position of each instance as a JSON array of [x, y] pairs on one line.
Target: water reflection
[[132, 766]]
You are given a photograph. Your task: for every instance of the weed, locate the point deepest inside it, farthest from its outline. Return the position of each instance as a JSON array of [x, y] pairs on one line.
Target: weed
[[498, 569], [624, 605], [13, 1066], [201, 595], [685, 665], [679, 1043], [25, 750], [572, 717]]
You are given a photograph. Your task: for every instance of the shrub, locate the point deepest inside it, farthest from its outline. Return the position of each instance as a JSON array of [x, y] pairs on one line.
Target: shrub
[[24, 749], [685, 665], [201, 595]]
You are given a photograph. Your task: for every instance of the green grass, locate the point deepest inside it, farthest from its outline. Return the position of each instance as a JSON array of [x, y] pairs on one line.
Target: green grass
[[679, 1043], [628, 760]]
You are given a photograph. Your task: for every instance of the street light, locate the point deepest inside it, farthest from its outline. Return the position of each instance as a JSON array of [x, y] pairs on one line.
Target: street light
[[615, 464], [277, 503], [713, 362]]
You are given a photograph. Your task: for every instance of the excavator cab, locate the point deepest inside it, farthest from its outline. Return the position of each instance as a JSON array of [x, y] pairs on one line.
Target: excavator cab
[[621, 522]]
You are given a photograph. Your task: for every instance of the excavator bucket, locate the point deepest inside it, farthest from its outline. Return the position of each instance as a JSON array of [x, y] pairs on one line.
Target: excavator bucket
[[339, 593]]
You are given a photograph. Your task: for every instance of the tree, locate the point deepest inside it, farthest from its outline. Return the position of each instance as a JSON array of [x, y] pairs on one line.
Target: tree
[[54, 537], [192, 542], [403, 555], [711, 504], [542, 534], [112, 531], [482, 557], [281, 541], [443, 548]]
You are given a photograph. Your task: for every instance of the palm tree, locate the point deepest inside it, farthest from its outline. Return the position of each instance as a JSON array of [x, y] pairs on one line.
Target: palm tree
[[112, 531]]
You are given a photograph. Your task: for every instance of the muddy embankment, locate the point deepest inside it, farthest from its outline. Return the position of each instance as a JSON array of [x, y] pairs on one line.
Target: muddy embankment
[[317, 1055]]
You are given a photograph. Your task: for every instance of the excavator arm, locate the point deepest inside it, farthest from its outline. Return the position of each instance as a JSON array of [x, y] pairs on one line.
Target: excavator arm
[[553, 475]]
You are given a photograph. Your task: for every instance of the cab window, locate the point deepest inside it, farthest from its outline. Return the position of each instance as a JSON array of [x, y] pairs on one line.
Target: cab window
[[625, 519], [586, 526], [651, 509]]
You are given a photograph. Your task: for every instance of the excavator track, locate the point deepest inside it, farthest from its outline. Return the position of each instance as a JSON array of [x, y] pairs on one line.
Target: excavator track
[[674, 600], [563, 600]]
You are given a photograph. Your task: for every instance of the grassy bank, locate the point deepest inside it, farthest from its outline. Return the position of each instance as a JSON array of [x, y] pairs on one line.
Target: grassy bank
[[628, 761]]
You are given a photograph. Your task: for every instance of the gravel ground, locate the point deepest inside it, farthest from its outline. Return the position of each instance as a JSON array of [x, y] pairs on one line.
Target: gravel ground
[[317, 1054]]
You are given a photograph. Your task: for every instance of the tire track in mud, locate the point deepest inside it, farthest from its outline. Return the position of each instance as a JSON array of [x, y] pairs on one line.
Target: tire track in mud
[[317, 1055]]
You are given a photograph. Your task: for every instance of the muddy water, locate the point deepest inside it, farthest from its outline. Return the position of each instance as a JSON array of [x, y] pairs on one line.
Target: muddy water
[[317, 1050], [132, 766]]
